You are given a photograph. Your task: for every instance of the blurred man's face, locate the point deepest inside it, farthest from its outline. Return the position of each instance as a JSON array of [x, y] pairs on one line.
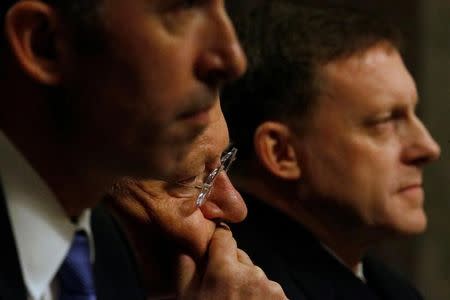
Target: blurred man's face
[[364, 150], [141, 103], [168, 210]]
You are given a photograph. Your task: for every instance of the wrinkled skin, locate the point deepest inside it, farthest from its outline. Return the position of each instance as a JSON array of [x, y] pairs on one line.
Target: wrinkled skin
[[185, 250]]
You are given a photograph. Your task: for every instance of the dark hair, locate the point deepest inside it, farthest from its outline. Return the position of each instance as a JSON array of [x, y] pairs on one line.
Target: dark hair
[[286, 44], [82, 17]]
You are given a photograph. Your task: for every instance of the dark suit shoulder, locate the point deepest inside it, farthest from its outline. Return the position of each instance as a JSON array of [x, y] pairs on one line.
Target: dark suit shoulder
[[388, 282], [115, 268], [292, 256]]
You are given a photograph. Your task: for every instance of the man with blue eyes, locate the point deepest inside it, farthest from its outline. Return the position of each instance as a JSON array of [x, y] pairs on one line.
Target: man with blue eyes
[[93, 91], [331, 151], [179, 226]]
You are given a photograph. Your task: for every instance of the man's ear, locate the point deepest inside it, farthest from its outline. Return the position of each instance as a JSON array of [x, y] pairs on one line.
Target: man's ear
[[31, 31], [275, 150]]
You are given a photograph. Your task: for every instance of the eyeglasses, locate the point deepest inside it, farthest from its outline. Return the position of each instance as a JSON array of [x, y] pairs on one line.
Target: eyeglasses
[[205, 187]]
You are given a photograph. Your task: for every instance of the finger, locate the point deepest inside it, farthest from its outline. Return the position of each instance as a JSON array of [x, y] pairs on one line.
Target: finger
[[223, 225], [244, 258], [222, 241], [186, 272], [276, 290], [259, 273], [222, 247]]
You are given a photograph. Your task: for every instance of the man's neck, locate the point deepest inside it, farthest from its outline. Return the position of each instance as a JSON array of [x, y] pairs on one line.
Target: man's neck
[[76, 186], [348, 243], [29, 123]]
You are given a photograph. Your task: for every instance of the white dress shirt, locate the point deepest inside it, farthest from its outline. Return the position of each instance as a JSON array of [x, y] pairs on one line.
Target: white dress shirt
[[42, 231]]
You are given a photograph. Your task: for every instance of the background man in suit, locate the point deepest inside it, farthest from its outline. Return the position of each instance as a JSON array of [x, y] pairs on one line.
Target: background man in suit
[[332, 150], [93, 91], [169, 229]]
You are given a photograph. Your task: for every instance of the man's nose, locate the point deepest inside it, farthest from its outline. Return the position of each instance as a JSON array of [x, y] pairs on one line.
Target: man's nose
[[224, 202], [222, 59], [422, 148]]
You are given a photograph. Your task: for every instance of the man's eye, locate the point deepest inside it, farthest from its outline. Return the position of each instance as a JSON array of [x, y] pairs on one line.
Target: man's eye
[[381, 119], [189, 3], [182, 192], [177, 6], [191, 181], [393, 117], [184, 188], [385, 125], [183, 4], [384, 120]]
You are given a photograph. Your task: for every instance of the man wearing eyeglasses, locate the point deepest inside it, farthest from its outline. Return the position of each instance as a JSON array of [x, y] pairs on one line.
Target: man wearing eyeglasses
[[93, 91], [179, 223], [331, 151]]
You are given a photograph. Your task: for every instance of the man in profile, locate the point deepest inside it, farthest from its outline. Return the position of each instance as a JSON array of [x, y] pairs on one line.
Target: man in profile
[[92, 91], [171, 224], [332, 151]]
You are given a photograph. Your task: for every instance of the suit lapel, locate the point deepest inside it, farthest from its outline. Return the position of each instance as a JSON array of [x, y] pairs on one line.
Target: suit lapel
[[291, 255], [115, 270], [297, 258], [389, 285], [322, 277], [11, 281], [306, 267]]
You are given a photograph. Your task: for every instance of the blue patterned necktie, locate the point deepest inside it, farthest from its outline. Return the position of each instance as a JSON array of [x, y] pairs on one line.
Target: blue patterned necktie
[[75, 275]]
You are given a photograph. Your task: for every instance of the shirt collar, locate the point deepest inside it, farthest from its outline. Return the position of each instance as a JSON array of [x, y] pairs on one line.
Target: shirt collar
[[42, 231], [359, 272]]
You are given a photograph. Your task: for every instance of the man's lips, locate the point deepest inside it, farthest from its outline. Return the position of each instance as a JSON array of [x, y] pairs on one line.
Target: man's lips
[[412, 186], [412, 191], [200, 115]]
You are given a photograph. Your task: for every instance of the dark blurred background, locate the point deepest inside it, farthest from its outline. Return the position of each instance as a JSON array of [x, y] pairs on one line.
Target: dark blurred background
[[425, 25]]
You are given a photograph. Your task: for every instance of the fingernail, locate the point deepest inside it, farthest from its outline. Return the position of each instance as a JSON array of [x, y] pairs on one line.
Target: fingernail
[[224, 226]]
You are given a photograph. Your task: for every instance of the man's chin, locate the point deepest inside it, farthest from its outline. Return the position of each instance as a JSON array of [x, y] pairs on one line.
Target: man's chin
[[411, 225], [417, 222], [417, 227]]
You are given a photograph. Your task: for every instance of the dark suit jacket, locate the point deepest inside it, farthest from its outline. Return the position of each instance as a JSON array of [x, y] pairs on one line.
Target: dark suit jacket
[[115, 272], [291, 256]]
